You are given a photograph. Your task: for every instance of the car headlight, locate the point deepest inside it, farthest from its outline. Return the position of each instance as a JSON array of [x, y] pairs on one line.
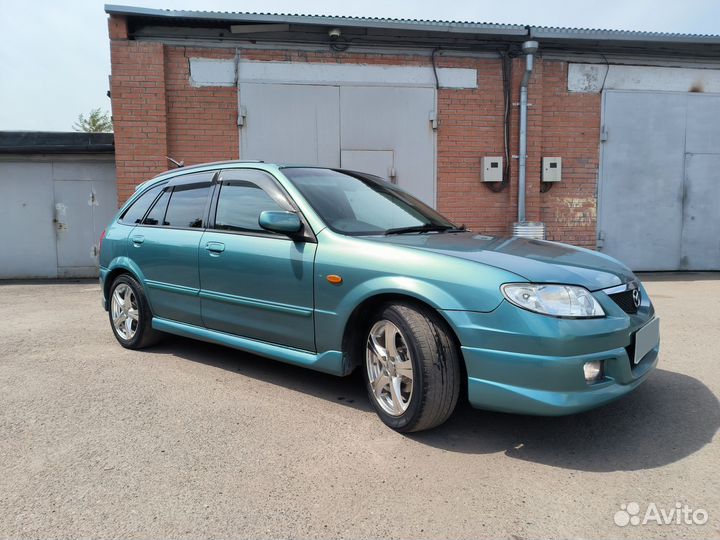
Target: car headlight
[[554, 300]]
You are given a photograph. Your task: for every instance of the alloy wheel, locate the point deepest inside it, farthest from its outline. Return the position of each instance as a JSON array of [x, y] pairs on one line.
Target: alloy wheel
[[389, 367], [124, 310]]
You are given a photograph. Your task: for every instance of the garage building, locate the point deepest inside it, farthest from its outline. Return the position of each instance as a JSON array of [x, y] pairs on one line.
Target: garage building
[[623, 128], [57, 193]]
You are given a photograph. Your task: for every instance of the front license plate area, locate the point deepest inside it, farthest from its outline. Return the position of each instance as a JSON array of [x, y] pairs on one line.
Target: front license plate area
[[646, 339]]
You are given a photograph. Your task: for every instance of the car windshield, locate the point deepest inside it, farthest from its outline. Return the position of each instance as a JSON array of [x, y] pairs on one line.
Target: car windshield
[[359, 204]]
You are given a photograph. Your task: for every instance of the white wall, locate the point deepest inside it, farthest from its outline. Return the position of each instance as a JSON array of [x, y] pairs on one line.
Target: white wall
[[591, 78], [210, 72]]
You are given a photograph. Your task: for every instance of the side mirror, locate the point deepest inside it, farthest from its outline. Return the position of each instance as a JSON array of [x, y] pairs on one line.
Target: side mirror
[[280, 222]]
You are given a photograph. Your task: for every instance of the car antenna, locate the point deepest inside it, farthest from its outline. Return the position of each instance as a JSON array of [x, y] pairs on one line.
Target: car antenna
[[178, 164]]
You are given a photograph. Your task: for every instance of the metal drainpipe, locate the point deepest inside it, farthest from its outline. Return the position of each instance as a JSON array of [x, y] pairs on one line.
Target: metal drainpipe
[[529, 48]]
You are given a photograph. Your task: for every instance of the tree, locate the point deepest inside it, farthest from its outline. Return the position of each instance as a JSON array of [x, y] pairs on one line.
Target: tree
[[98, 121]]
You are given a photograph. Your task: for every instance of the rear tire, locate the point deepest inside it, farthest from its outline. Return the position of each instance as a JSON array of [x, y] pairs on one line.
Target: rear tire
[[130, 314], [411, 367]]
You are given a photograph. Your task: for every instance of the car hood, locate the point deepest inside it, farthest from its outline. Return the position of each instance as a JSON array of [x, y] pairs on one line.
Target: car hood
[[537, 261]]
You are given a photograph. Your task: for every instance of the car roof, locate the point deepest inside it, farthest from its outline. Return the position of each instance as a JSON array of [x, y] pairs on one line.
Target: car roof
[[214, 165], [229, 163]]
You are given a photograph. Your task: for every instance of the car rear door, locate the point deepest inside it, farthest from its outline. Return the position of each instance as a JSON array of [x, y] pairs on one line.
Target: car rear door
[[165, 247], [255, 283]]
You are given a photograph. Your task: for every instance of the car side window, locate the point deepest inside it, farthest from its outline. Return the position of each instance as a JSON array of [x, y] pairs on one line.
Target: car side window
[[244, 194], [137, 209], [157, 212], [187, 206], [240, 204]]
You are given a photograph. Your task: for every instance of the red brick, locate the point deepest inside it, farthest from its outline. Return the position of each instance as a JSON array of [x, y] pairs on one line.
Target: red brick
[[158, 113]]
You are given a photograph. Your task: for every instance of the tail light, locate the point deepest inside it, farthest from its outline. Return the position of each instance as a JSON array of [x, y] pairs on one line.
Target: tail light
[[102, 237]]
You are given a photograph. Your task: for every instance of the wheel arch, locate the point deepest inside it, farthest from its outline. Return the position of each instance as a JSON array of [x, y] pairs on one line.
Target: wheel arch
[[352, 339], [118, 267]]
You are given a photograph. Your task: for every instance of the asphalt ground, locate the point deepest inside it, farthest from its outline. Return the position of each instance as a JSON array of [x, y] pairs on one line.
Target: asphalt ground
[[193, 440]]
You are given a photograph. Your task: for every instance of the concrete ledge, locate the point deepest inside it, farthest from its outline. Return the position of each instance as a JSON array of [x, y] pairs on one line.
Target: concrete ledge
[[212, 72]]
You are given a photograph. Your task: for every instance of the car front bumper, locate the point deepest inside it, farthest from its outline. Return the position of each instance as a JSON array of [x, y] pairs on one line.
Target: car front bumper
[[523, 362]]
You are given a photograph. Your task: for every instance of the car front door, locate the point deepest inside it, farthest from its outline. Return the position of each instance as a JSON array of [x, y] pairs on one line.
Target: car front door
[[255, 283], [165, 247]]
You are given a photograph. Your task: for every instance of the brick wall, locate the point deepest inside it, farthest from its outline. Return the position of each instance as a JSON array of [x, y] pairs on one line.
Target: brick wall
[[471, 126], [157, 113], [202, 122], [139, 112], [571, 129]]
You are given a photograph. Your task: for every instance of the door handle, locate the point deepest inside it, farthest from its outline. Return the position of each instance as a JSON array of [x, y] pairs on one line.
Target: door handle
[[215, 247], [137, 240]]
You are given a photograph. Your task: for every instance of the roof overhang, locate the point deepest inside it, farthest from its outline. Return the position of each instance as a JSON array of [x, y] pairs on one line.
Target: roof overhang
[[56, 142], [150, 23], [322, 20]]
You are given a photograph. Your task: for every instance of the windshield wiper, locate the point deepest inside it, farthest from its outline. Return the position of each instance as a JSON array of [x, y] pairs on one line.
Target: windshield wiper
[[428, 227]]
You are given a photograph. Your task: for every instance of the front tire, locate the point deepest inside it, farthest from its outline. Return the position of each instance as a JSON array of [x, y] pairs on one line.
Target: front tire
[[130, 315], [411, 368]]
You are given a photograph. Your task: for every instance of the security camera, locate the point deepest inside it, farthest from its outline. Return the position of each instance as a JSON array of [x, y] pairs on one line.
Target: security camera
[[335, 34]]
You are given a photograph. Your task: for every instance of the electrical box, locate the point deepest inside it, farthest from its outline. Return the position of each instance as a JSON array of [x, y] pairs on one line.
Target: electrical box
[[551, 169], [492, 169]]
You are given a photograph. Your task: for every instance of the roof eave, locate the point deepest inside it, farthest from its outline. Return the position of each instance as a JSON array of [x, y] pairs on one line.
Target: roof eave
[[619, 36], [320, 20], [513, 32], [51, 142]]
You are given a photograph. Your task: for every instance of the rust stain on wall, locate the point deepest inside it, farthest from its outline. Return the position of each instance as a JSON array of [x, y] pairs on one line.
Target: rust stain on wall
[[576, 211], [697, 86]]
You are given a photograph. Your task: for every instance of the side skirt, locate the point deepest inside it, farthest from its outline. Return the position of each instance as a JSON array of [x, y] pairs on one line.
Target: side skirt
[[327, 362]]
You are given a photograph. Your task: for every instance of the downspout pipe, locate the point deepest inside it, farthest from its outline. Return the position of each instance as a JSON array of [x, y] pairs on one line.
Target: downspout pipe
[[529, 48]]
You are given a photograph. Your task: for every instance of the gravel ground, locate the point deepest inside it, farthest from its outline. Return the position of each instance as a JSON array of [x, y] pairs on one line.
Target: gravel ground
[[193, 440]]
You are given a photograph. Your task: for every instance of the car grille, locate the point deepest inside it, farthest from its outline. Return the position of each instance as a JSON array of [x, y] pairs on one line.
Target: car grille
[[625, 301]]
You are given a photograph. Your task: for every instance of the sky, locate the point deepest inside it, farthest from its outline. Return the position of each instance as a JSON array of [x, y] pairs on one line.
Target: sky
[[55, 56]]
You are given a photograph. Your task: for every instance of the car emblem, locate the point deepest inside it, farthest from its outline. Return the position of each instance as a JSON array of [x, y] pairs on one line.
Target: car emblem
[[636, 297]]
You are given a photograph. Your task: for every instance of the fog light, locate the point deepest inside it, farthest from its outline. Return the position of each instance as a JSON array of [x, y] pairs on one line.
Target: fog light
[[593, 371]]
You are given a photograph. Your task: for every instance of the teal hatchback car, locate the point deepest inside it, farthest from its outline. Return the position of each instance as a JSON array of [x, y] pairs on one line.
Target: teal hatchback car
[[336, 270]]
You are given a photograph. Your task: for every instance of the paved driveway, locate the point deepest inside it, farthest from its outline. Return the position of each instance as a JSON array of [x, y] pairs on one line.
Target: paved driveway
[[193, 440]]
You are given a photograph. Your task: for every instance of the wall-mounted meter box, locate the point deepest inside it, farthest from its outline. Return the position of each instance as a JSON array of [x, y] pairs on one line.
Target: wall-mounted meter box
[[492, 169], [551, 169]]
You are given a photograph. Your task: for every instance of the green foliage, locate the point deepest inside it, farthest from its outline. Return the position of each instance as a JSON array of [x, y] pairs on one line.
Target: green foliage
[[98, 121]]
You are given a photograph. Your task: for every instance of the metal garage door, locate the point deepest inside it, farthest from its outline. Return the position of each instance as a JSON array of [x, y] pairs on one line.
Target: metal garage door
[[291, 123], [381, 130], [53, 213], [659, 190], [392, 122], [27, 234]]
